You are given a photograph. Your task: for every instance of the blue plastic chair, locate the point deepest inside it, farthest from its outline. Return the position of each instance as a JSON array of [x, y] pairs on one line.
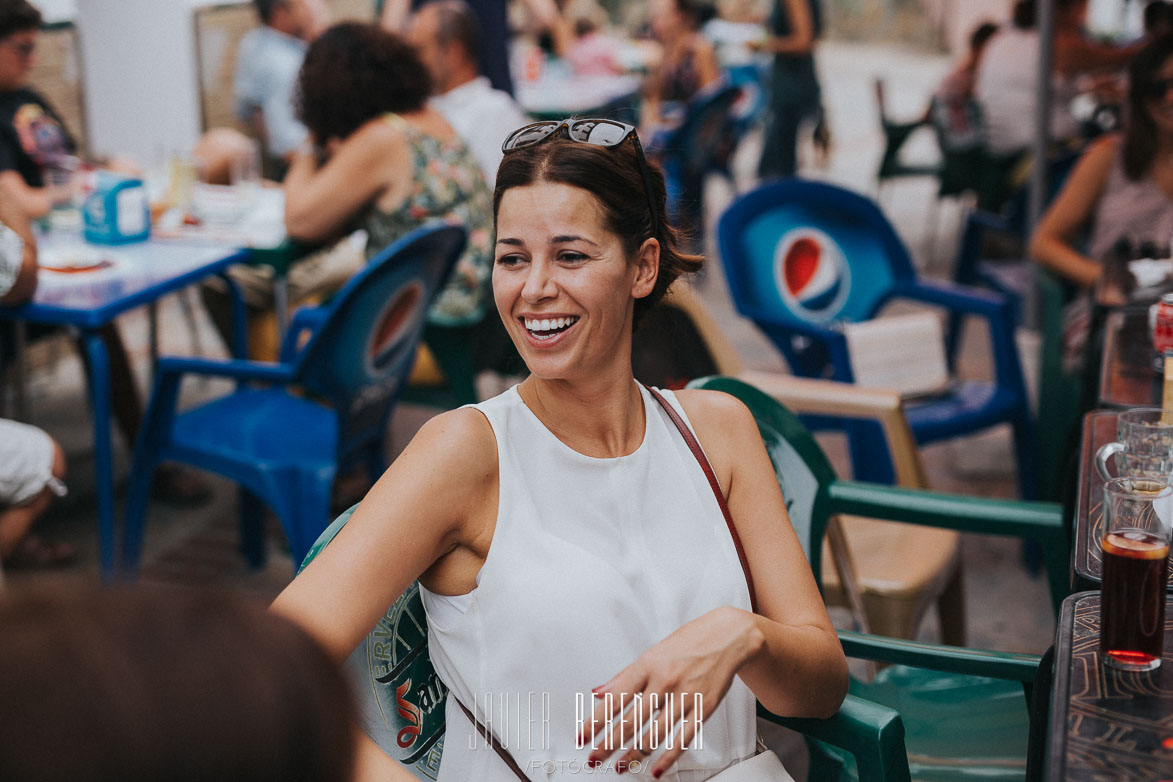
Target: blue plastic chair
[[856, 264], [290, 426]]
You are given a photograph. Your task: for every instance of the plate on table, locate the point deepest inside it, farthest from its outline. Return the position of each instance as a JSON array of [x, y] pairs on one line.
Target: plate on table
[[74, 259]]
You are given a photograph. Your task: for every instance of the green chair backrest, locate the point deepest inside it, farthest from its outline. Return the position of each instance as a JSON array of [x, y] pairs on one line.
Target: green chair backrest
[[800, 464], [400, 699], [1059, 391]]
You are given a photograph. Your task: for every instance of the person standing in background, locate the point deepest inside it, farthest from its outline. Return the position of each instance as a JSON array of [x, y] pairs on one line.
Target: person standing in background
[[795, 93]]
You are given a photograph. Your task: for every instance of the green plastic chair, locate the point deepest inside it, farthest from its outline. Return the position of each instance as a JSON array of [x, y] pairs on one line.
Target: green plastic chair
[[964, 710], [400, 699]]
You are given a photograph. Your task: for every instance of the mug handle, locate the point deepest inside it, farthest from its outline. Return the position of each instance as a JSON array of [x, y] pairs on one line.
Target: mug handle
[[1103, 455]]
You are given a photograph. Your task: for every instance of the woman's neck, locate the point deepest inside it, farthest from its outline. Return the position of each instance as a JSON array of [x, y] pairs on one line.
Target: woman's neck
[[603, 418]]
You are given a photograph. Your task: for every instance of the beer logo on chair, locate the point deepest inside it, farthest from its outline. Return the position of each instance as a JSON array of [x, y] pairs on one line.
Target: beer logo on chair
[[811, 274], [386, 341]]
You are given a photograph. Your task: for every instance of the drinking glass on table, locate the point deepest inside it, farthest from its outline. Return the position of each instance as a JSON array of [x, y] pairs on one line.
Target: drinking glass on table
[[63, 179], [1138, 513], [1143, 446]]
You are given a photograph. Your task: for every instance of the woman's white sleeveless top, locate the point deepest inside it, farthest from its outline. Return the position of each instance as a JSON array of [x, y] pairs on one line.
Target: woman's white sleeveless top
[[592, 562]]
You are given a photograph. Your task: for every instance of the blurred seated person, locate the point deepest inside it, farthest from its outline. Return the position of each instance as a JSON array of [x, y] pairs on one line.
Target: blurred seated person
[[495, 19], [268, 59], [382, 160], [165, 683], [1120, 193], [956, 118], [32, 464], [446, 36], [688, 63], [956, 90], [33, 139], [32, 136], [1122, 186], [1006, 89], [590, 51]]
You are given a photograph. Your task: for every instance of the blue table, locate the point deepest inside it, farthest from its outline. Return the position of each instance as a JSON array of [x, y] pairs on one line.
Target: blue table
[[138, 274]]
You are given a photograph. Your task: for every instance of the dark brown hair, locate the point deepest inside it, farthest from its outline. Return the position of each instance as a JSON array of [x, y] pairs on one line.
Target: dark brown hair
[[152, 683], [612, 175], [354, 72], [1140, 132], [16, 16]]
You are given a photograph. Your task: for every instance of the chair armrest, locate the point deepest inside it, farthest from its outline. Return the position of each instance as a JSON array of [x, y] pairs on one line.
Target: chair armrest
[[239, 369], [304, 319], [831, 398], [961, 298], [1018, 518], [281, 257], [830, 335], [872, 733], [1012, 666], [1040, 521]]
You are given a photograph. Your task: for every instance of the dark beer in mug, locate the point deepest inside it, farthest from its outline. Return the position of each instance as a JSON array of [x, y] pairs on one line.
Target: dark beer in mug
[[1132, 607]]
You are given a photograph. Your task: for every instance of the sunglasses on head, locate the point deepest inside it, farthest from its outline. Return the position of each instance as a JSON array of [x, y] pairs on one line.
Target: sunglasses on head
[[595, 131], [1158, 88]]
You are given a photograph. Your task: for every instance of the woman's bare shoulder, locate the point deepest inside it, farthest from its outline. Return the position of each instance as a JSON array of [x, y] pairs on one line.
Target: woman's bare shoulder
[[378, 135], [719, 418], [459, 440]]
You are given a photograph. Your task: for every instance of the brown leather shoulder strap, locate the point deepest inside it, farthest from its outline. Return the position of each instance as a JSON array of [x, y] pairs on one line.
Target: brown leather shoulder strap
[[491, 739], [703, 460]]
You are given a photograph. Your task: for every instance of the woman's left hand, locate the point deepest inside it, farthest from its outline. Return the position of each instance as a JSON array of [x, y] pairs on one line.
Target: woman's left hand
[[680, 679]]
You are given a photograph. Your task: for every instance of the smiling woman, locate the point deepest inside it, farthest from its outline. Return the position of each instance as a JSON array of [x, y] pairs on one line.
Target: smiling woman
[[572, 553]]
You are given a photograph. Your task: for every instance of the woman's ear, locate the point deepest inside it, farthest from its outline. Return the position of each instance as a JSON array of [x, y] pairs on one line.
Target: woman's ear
[[647, 262]]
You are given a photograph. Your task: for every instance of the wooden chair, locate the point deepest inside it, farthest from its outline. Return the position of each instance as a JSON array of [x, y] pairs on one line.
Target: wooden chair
[[887, 573]]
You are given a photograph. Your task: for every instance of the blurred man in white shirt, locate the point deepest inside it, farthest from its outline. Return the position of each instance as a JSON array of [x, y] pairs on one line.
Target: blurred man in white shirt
[[447, 36]]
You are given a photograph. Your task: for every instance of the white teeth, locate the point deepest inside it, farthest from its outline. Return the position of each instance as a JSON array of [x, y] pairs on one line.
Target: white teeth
[[534, 325]]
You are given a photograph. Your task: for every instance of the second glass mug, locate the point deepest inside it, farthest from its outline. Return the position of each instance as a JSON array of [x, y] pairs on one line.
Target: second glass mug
[[1143, 446]]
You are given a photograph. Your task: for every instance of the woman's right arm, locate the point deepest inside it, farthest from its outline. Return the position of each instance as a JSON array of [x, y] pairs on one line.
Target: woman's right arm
[[423, 507], [321, 198], [1051, 244]]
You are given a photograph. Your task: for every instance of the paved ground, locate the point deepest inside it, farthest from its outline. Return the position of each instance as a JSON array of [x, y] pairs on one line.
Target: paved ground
[[196, 547]]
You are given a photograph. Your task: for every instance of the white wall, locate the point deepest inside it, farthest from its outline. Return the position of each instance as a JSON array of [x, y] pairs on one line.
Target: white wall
[[139, 66]]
